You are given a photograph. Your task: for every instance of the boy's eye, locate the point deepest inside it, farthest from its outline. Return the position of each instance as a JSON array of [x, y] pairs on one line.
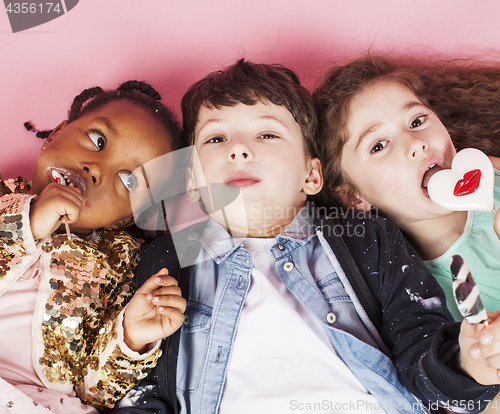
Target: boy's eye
[[128, 180], [379, 146], [418, 121], [98, 139], [268, 136], [215, 140]]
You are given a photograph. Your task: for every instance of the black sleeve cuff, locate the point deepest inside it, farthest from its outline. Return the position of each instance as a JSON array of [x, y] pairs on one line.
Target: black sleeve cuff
[[449, 385]]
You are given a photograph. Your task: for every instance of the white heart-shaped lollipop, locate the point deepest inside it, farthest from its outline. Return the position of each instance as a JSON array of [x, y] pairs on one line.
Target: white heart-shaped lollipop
[[468, 185]]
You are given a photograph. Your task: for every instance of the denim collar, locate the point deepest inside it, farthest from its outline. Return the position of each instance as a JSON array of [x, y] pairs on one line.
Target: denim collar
[[219, 244]]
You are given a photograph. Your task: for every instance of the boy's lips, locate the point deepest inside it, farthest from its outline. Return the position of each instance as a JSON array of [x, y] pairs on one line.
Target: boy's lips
[[428, 168], [241, 180], [67, 177]]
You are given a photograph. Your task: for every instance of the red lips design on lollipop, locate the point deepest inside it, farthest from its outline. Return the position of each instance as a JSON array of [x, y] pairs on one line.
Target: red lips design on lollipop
[[468, 185]]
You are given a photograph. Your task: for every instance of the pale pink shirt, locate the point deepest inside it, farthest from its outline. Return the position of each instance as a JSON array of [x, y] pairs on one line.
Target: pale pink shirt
[[17, 307]]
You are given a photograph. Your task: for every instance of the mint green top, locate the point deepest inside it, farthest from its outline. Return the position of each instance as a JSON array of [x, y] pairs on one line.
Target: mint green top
[[479, 246]]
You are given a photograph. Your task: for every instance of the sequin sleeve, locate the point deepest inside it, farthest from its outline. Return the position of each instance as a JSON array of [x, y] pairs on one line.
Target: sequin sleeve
[[16, 241], [91, 283], [113, 369]]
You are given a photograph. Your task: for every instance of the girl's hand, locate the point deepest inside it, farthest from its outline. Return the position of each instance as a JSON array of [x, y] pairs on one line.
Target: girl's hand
[[155, 311], [480, 350], [48, 210]]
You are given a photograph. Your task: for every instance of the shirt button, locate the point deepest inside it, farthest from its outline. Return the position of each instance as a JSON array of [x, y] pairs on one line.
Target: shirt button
[[331, 318], [280, 247], [288, 266], [187, 320]]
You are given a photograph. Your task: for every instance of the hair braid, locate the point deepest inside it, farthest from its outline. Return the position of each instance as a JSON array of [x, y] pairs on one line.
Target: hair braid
[[137, 92], [141, 87], [80, 100], [38, 134]]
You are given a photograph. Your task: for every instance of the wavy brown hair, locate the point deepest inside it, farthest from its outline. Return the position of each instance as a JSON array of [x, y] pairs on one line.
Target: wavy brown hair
[[464, 94]]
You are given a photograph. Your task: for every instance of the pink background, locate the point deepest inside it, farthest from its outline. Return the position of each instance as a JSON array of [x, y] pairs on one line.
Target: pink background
[[172, 43]]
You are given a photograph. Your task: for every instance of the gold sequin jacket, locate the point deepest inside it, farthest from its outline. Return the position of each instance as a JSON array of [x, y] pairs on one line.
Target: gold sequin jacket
[[77, 325]]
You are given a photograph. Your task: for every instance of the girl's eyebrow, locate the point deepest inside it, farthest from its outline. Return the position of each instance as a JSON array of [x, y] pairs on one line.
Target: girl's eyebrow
[[369, 130], [411, 105], [107, 123], [364, 134]]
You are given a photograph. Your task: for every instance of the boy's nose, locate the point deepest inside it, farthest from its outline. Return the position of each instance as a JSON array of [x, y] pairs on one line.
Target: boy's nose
[[239, 151], [243, 154]]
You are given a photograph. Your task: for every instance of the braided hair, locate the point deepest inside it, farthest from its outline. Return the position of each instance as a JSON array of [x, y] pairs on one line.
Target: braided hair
[[146, 97], [137, 92]]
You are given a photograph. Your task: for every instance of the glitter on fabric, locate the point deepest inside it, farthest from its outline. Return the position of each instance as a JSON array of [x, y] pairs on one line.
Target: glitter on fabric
[[85, 283], [11, 231]]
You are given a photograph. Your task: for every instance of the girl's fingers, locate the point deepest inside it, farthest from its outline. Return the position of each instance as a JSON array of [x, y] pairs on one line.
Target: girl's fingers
[[167, 290], [169, 301], [71, 193], [175, 315], [157, 280]]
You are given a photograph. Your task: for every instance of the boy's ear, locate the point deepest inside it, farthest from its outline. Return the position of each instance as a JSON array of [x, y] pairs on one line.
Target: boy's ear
[[192, 193], [352, 200], [314, 182], [121, 224], [54, 132]]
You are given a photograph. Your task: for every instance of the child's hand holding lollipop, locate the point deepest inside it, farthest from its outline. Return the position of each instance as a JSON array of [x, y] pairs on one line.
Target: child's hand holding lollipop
[[55, 204]]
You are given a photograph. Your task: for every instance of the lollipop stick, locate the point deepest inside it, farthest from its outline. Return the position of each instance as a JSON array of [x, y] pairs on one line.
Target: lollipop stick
[[66, 225], [466, 292]]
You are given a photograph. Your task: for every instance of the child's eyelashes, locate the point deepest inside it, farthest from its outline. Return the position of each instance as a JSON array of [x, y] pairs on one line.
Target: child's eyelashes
[[419, 120], [379, 146], [218, 138], [268, 135], [97, 138], [128, 179], [215, 140]]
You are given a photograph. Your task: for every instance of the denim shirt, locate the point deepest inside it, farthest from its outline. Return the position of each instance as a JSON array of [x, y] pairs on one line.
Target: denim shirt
[[307, 266]]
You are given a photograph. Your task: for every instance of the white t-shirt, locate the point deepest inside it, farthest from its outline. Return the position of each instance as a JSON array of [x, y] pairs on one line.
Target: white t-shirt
[[282, 360]]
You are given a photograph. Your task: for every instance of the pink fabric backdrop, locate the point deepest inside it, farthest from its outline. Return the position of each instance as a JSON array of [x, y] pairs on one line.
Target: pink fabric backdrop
[[173, 43]]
